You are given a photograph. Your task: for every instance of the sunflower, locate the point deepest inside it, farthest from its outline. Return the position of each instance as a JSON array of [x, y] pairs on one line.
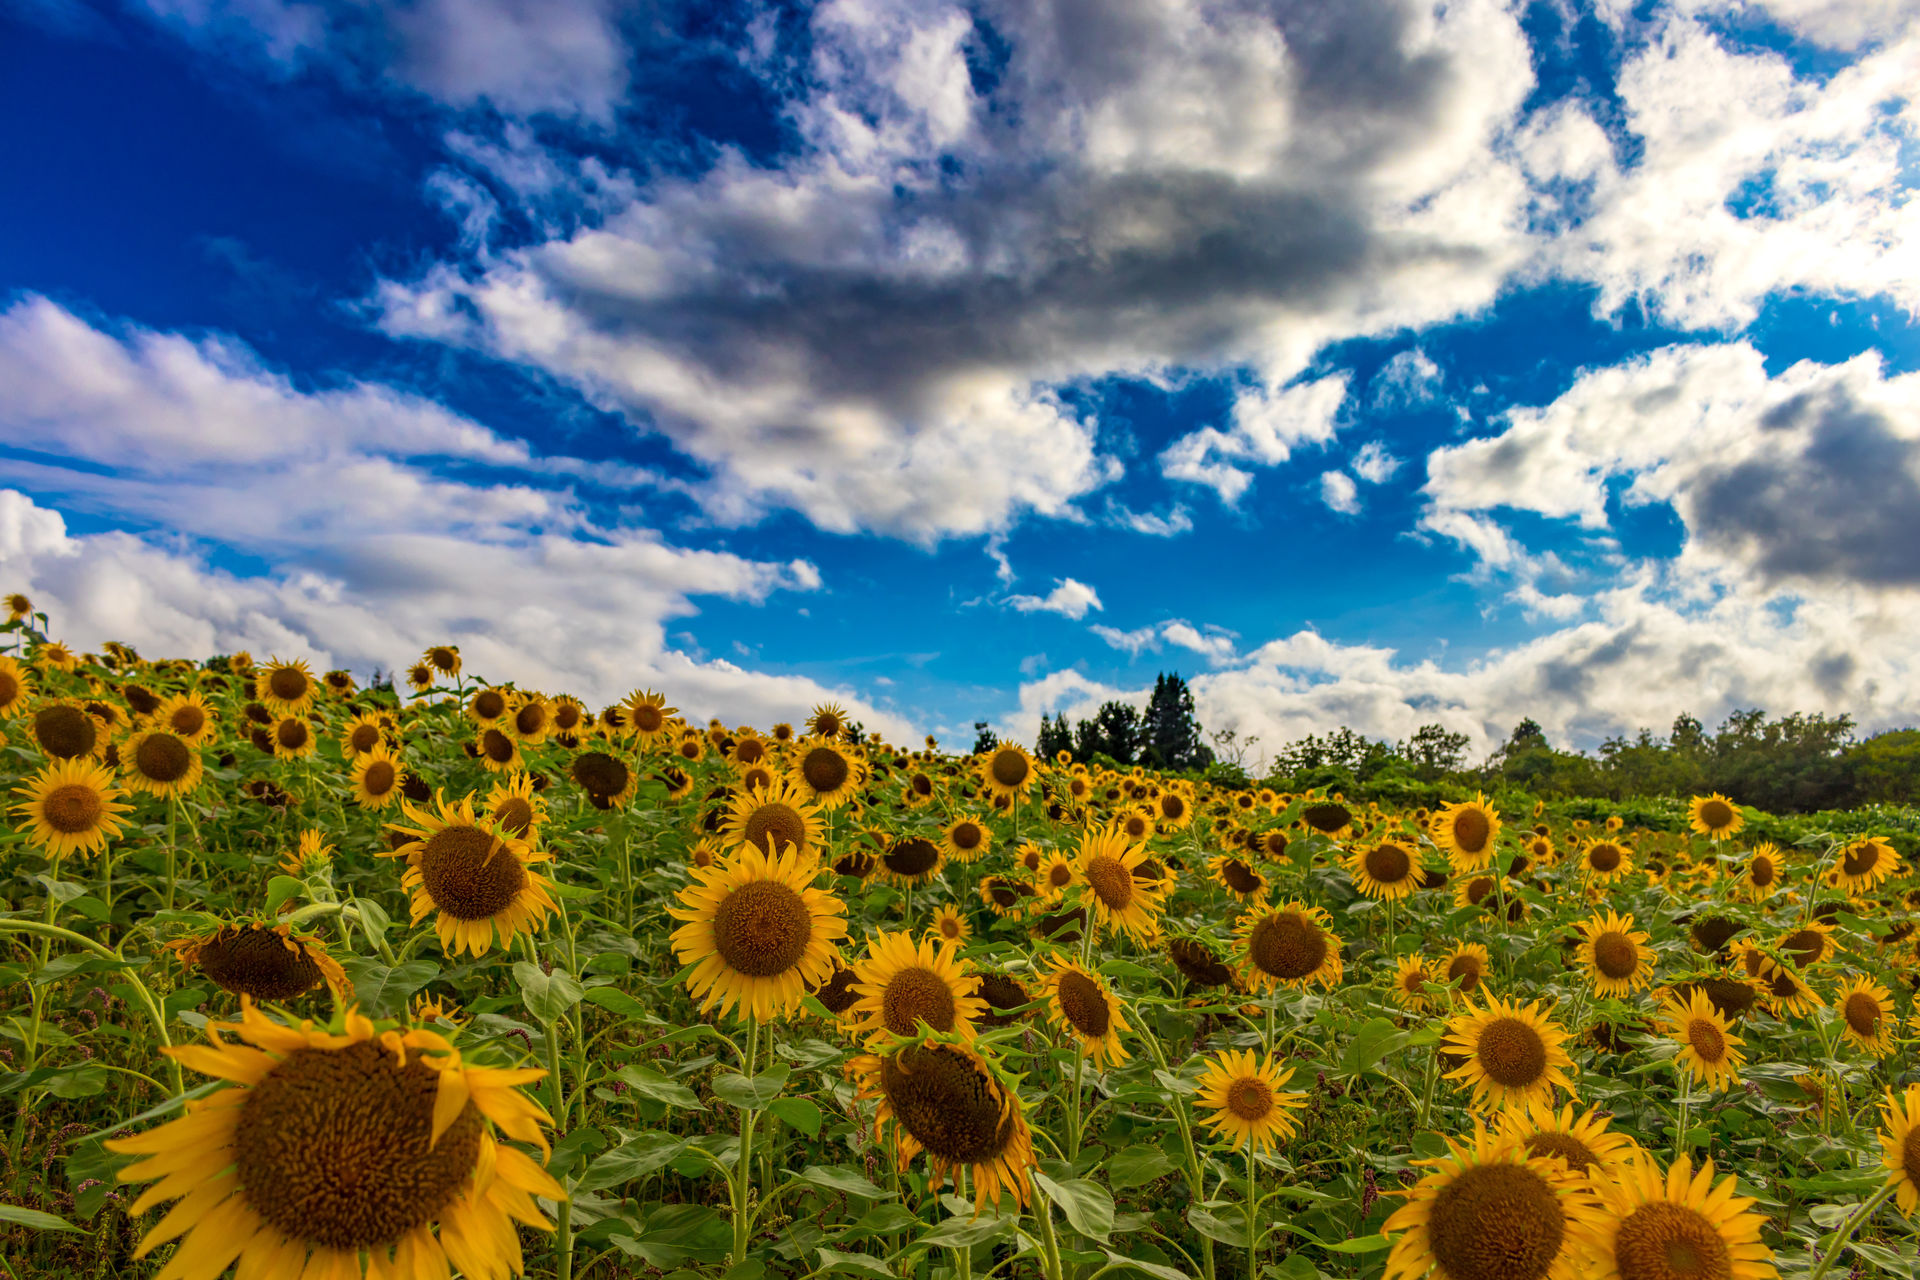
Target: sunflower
[[376, 778], [529, 718], [71, 807], [1604, 861], [829, 720], [569, 714], [1080, 1003], [16, 687], [902, 983], [489, 706], [1004, 995], [756, 932], [609, 781], [517, 807], [1513, 1053], [311, 855], [1615, 956], [1539, 852], [829, 772], [1674, 1226], [1467, 964], [1291, 945], [286, 688], [1467, 831], [1246, 1100], [1199, 961], [1053, 876], [291, 738], [420, 677], [261, 961], [472, 878], [443, 658], [161, 763], [912, 860], [965, 839], [1389, 870], [748, 752], [773, 818], [1864, 863], [363, 733], [323, 1145], [1411, 980], [1488, 890], [497, 750], [1003, 896], [1238, 876], [1761, 875], [690, 747], [19, 607], [1137, 824], [1007, 770], [52, 653], [429, 1011], [950, 926], [1106, 864], [1901, 1142], [1811, 944], [1715, 816], [1787, 994], [65, 731], [1490, 1210], [1173, 810], [1867, 1018], [1585, 1144], [946, 1100], [1707, 1049]]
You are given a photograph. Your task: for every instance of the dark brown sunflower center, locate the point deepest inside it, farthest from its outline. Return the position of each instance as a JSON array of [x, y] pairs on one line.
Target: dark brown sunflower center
[[750, 751], [469, 873], [9, 689], [379, 778], [773, 827], [1111, 882], [566, 717], [913, 994], [258, 962], [1604, 857], [530, 719], [1711, 933], [1910, 1155], [1471, 830], [966, 836], [1135, 826], [187, 720], [1288, 946], [1707, 1041], [1249, 1098], [600, 774], [1615, 956], [1009, 768], [490, 704], [1084, 1004], [1862, 1013], [1860, 860], [364, 737], [914, 856], [1716, 814], [289, 684], [1762, 871], [1005, 896], [762, 928], [1478, 888], [496, 746], [1465, 968], [825, 769], [291, 734], [73, 808], [1274, 842], [1241, 878], [1059, 875], [1198, 962], [1783, 984], [647, 718], [1388, 863], [1327, 817], [1497, 1222], [1730, 996], [1001, 993], [1173, 807], [1512, 1053], [161, 757], [920, 784], [1569, 1148], [64, 732], [334, 1147], [443, 658], [514, 815], [949, 1105], [1805, 945], [1665, 1241]]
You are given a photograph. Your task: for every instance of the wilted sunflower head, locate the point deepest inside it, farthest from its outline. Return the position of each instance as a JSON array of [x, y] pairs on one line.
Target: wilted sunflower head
[[261, 961], [946, 1100], [66, 732], [607, 779]]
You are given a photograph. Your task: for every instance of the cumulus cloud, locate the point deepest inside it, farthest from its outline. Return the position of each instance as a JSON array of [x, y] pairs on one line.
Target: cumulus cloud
[[1408, 381], [1267, 426], [1069, 599], [1374, 464], [1216, 644], [1340, 493]]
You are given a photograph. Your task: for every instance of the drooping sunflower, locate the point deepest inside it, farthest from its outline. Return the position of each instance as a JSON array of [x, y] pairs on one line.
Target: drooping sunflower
[[1786, 992], [291, 738], [286, 688], [1866, 1013], [1007, 770], [1514, 1053], [1674, 1226], [497, 750], [1587, 1146], [950, 926], [1468, 831], [911, 860], [1105, 863], [517, 807], [829, 771], [1488, 1210], [1412, 981], [1291, 945], [1079, 1002], [1247, 1100], [474, 879], [1900, 1144], [65, 731], [376, 778], [773, 818], [1811, 944], [609, 781], [1389, 870], [530, 719], [944, 1099], [1467, 964], [1715, 816], [1864, 864], [1238, 876], [71, 806], [1604, 861], [757, 931], [1003, 896], [363, 733], [902, 983], [326, 1144], [1199, 961], [1615, 954], [16, 688], [1708, 1050], [161, 763], [966, 839], [1761, 875], [261, 961]]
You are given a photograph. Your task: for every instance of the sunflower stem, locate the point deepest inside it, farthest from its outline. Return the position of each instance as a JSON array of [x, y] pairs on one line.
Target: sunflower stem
[[742, 1178], [173, 811], [51, 932], [1847, 1228], [556, 1093], [1253, 1245], [1043, 1211]]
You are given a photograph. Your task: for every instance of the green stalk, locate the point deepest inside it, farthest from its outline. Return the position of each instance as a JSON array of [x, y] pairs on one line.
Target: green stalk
[[1253, 1245], [557, 1103], [1043, 1210], [159, 1019], [173, 810], [742, 1176], [1851, 1225]]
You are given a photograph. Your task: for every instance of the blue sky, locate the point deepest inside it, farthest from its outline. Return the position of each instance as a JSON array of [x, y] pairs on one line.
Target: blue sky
[[1375, 364]]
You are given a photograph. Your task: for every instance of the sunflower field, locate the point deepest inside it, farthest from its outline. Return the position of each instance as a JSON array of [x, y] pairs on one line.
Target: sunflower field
[[301, 980]]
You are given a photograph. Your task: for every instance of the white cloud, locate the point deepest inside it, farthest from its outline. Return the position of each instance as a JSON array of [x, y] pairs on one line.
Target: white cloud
[[1069, 599], [1374, 464], [1339, 492], [1216, 644], [1267, 427], [1408, 381], [1133, 642], [1151, 523]]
